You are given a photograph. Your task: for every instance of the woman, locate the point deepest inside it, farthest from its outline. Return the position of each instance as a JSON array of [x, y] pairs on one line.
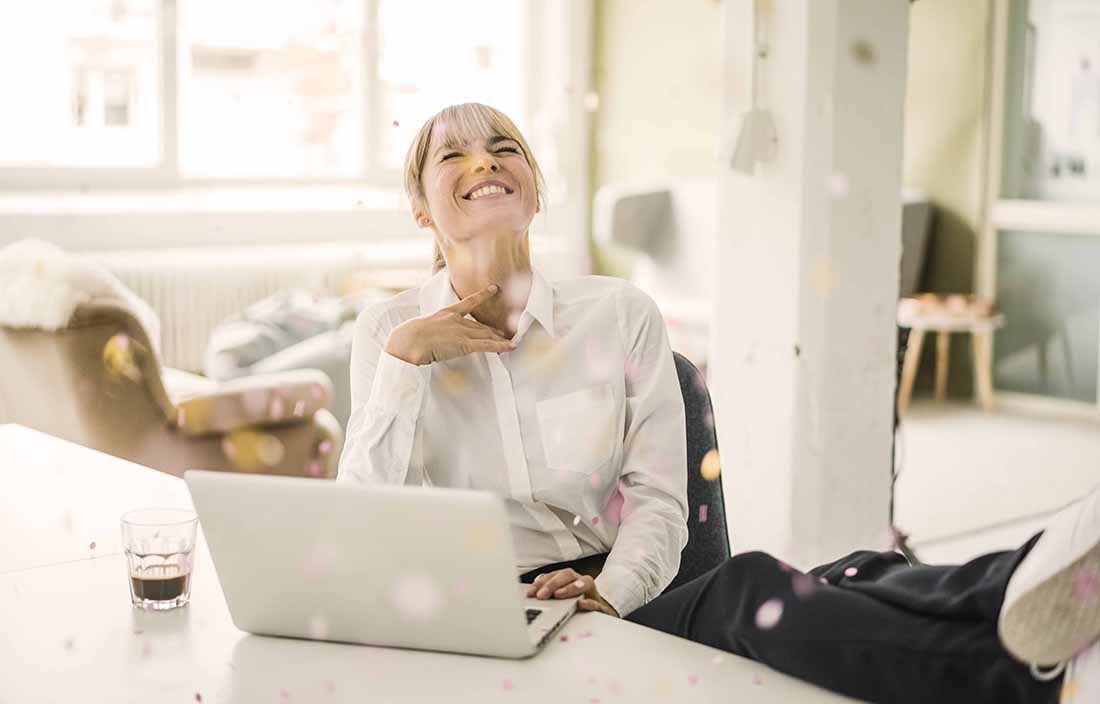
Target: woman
[[563, 398]]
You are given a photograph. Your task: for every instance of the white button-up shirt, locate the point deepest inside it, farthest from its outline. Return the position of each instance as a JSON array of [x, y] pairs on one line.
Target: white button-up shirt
[[580, 428]]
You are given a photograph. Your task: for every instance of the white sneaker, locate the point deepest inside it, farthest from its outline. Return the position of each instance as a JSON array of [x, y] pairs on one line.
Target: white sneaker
[[1051, 608], [1082, 681]]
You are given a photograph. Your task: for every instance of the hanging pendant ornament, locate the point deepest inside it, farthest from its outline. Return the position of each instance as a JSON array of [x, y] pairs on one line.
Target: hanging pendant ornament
[[757, 140]]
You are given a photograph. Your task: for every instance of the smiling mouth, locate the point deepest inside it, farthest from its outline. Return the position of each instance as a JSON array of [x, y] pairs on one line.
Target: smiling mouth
[[487, 191]]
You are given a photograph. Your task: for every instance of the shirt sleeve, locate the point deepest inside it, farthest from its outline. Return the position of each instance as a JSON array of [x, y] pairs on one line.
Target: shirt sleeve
[[653, 529], [387, 394]]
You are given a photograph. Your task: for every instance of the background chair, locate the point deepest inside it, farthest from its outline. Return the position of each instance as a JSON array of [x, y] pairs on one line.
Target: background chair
[[98, 382], [708, 542]]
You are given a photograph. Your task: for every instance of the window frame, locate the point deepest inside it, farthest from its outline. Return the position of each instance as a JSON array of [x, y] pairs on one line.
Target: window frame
[[165, 175]]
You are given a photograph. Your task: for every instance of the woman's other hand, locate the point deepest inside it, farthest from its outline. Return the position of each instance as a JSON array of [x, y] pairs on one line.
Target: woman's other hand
[[447, 333], [567, 583]]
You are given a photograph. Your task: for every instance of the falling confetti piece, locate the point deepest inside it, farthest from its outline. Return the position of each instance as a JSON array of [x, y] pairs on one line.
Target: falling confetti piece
[[711, 466], [198, 697], [138, 631], [851, 572], [416, 597], [507, 684], [180, 417], [756, 679], [396, 123], [91, 545], [1086, 584], [702, 513], [803, 585], [693, 680], [563, 638], [823, 580], [283, 694], [595, 520], [769, 613], [314, 469], [325, 447]]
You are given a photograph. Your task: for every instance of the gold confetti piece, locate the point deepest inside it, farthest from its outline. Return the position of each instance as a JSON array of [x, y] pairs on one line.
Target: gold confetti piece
[[118, 358], [710, 467]]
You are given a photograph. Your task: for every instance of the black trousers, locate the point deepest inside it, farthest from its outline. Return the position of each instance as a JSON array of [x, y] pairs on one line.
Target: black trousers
[[879, 629]]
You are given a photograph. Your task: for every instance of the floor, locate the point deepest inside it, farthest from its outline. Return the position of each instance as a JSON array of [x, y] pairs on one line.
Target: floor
[[971, 482]]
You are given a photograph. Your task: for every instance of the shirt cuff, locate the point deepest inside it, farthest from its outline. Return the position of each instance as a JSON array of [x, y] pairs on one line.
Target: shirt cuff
[[620, 588], [397, 385]]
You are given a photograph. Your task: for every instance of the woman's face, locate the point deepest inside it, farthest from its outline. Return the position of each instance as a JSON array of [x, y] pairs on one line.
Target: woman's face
[[480, 188]]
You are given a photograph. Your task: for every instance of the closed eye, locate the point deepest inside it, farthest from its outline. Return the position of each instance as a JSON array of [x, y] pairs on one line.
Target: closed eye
[[508, 149]]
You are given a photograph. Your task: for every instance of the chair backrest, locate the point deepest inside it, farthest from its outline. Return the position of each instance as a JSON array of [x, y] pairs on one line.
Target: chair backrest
[[708, 542]]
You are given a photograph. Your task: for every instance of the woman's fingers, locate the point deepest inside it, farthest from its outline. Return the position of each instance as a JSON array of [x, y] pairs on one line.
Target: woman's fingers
[[471, 302], [488, 346], [577, 587], [592, 605], [557, 580]]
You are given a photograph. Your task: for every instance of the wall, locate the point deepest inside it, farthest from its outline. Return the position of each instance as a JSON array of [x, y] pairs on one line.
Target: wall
[[944, 125], [658, 75]]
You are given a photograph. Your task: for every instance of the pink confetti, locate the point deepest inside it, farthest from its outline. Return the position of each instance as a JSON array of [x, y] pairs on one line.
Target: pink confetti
[[283, 694], [851, 572], [396, 123], [595, 520], [702, 513], [314, 468], [180, 417], [803, 585], [507, 684], [316, 391], [198, 697], [769, 613], [138, 631], [693, 680], [822, 580], [325, 447], [276, 408], [563, 638], [756, 679], [584, 634], [91, 545]]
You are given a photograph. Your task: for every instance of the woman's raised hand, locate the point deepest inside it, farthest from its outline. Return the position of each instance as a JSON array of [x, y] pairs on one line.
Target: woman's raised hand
[[447, 333]]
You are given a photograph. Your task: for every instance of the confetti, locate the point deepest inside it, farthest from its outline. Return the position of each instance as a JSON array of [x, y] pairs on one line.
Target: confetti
[[702, 513], [851, 572], [91, 545], [563, 638], [756, 679], [283, 694], [822, 580], [838, 185], [595, 520], [693, 680], [314, 468], [769, 613], [416, 597], [325, 447], [576, 520], [579, 584], [584, 634], [396, 123], [507, 684], [180, 417], [316, 392], [276, 409], [198, 697], [1086, 584], [137, 631], [299, 408], [803, 585], [711, 466]]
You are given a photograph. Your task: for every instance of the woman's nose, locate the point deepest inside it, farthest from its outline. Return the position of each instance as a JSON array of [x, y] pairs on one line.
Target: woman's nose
[[486, 163]]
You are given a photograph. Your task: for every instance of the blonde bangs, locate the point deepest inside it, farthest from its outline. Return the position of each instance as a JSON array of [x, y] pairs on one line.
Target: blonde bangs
[[462, 124]]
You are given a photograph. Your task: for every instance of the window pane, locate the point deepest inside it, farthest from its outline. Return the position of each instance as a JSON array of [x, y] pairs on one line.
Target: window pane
[[437, 52], [1050, 296], [271, 89], [80, 83], [1052, 101]]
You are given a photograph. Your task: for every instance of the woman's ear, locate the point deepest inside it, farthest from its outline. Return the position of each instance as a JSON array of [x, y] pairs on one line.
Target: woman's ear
[[421, 217]]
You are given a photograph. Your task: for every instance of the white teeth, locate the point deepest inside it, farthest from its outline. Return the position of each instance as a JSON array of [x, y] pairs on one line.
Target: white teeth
[[485, 191]]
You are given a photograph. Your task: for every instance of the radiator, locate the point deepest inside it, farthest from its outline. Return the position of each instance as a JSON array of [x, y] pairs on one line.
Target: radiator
[[193, 290]]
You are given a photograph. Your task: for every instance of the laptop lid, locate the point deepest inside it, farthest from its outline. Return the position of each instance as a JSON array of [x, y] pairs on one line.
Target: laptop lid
[[415, 567]]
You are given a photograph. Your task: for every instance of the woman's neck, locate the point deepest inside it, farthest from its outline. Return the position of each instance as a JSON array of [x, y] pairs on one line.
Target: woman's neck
[[475, 264]]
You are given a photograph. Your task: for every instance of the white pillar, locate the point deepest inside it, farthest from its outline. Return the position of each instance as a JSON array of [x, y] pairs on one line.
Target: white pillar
[[803, 350]]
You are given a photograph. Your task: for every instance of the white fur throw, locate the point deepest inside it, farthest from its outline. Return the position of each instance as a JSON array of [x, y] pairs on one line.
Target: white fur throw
[[41, 286]]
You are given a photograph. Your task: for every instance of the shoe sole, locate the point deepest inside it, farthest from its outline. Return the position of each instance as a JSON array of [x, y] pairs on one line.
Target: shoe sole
[[1050, 623]]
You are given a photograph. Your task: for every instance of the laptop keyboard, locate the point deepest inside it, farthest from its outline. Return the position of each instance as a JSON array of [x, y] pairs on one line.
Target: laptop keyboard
[[531, 614]]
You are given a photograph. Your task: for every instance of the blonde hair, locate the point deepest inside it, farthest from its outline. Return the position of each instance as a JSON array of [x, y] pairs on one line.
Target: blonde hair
[[466, 122]]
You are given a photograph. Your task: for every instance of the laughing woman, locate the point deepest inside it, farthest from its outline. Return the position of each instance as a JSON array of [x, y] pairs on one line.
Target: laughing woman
[[563, 399]]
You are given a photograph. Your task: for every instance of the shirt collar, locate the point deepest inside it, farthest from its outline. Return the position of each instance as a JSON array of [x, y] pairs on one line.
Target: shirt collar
[[437, 293]]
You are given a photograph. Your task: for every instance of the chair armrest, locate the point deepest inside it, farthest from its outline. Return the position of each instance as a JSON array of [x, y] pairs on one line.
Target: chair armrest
[[253, 401]]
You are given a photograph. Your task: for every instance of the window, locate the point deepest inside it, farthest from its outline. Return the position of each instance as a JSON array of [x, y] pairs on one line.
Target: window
[[170, 92]]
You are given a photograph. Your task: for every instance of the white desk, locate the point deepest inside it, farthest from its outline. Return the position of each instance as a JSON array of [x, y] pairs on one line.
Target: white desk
[[69, 633]]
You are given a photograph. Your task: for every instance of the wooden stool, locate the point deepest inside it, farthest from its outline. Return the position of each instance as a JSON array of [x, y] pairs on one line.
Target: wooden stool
[[945, 315]]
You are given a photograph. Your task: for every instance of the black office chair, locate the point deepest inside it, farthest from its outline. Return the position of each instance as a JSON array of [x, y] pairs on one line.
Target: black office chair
[[708, 542]]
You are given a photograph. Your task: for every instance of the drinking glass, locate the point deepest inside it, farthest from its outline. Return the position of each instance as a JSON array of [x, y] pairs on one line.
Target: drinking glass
[[159, 544]]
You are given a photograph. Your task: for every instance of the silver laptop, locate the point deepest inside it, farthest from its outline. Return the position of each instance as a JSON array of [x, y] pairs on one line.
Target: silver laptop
[[410, 567]]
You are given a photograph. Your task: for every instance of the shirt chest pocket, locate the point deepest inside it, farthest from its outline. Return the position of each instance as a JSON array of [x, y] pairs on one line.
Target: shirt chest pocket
[[578, 429]]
